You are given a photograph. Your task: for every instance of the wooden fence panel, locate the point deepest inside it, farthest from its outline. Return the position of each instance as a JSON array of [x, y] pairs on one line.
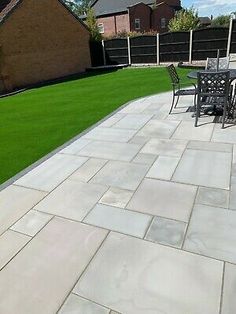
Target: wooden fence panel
[[143, 49], [116, 51], [233, 38], [174, 47]]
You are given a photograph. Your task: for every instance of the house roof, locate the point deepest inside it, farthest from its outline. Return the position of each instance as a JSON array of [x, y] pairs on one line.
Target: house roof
[[104, 7]]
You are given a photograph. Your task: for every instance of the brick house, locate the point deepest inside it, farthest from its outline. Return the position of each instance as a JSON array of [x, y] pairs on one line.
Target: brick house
[[114, 16], [40, 40]]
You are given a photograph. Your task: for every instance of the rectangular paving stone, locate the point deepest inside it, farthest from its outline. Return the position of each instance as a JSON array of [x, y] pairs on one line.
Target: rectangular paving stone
[[167, 231], [112, 120], [212, 232], [158, 129], [52, 172], [187, 131], [75, 147], [108, 150], [15, 201], [116, 197], [119, 174], [232, 195], [147, 159], [165, 199], [88, 170], [72, 199], [163, 168], [136, 106], [133, 121], [229, 301], [31, 223], [44, 272], [218, 147], [118, 219], [133, 276], [227, 135], [165, 147], [10, 244], [77, 305], [110, 134], [206, 168], [213, 197]]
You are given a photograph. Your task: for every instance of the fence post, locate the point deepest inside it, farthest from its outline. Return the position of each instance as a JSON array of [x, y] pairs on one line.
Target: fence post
[[230, 36], [104, 53], [190, 46], [158, 49], [129, 52]]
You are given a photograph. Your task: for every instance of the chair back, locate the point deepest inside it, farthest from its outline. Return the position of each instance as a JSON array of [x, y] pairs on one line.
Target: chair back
[[215, 84], [173, 74], [211, 64]]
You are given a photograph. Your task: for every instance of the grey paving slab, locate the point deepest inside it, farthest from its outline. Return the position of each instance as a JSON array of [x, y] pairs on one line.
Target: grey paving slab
[[232, 202], [148, 278], [163, 168], [142, 158], [75, 147], [165, 147], [112, 120], [227, 135], [10, 244], [16, 201], [218, 147], [229, 301], [77, 305], [158, 129], [119, 174], [52, 172], [45, 271], [88, 169], [108, 150], [116, 197], [133, 121], [110, 134], [119, 219], [206, 168], [187, 131], [212, 232], [166, 231], [213, 197], [140, 140], [72, 199], [163, 198], [136, 106], [31, 223]]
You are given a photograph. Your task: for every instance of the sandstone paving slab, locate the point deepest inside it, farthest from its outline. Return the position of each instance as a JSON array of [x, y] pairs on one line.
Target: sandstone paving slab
[[113, 151], [158, 128], [110, 134], [167, 231], [88, 169], [31, 223], [118, 219], [41, 276], [206, 168], [232, 202], [229, 301], [116, 197], [213, 197], [133, 276], [218, 147], [112, 120], [15, 202], [136, 106], [140, 140], [52, 172], [77, 305], [163, 168], [226, 135], [163, 198], [187, 131], [133, 121], [10, 244], [212, 232], [147, 159], [165, 147], [72, 199], [119, 174], [75, 147]]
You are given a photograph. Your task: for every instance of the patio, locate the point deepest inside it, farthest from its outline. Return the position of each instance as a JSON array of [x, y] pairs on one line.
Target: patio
[[138, 216]]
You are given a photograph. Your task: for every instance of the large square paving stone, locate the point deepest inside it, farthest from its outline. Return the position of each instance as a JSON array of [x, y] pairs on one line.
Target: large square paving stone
[[158, 129], [166, 147], [187, 131], [206, 168], [162, 198], [133, 276], [212, 232]]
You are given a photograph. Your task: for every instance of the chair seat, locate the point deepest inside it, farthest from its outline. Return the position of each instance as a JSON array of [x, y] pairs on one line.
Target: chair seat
[[186, 92]]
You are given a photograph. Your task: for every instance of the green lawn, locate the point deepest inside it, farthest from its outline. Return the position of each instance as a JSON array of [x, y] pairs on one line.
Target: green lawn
[[35, 122]]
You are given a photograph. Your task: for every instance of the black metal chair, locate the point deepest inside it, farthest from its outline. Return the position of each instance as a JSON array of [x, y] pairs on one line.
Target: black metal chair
[[215, 64], [178, 89], [213, 92]]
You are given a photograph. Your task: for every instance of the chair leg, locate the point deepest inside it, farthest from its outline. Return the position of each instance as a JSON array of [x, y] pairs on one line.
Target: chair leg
[[177, 101], [197, 115], [172, 105], [224, 115]]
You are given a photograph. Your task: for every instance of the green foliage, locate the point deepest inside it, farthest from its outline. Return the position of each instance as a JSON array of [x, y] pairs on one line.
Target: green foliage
[[79, 7], [184, 20], [92, 25], [221, 20]]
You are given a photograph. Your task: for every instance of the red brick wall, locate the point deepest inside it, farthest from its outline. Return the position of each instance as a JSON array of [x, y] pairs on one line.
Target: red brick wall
[[162, 11], [115, 23], [142, 12], [122, 22], [108, 24]]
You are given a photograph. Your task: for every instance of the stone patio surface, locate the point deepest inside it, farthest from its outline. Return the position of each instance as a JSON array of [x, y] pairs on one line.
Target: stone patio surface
[[138, 216]]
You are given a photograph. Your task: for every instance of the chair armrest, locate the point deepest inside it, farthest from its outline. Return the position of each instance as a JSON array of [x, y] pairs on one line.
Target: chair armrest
[[188, 84]]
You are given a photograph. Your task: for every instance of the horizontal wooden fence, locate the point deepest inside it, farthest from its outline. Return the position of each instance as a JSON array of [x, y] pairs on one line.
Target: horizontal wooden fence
[[167, 47]]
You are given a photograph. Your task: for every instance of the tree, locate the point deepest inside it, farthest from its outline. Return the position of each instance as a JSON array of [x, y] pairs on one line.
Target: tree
[[184, 20], [92, 25], [79, 7], [221, 20]]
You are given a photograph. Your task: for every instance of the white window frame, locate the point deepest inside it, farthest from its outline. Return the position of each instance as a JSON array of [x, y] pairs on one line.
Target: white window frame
[[137, 22], [163, 22], [101, 28]]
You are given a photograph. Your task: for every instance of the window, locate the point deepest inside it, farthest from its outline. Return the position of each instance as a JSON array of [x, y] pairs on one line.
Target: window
[[163, 23], [101, 28], [137, 23]]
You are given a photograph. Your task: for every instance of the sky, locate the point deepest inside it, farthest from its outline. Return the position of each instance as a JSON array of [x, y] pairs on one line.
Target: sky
[[214, 7]]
